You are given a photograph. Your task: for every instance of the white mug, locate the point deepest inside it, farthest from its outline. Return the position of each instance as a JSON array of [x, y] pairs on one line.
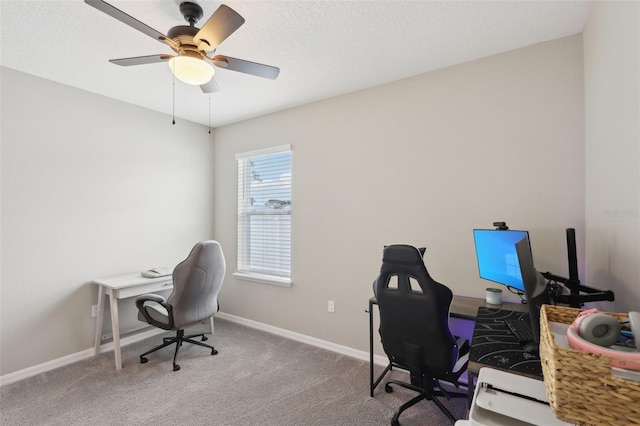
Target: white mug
[[494, 296]]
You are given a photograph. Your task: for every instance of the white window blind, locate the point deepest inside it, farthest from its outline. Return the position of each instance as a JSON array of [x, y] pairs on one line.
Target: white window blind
[[264, 215]]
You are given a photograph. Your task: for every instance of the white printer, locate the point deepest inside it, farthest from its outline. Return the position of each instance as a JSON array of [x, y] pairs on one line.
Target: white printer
[[503, 398]]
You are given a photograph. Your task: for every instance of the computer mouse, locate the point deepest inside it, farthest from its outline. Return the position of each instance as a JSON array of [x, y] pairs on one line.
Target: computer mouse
[[531, 348]]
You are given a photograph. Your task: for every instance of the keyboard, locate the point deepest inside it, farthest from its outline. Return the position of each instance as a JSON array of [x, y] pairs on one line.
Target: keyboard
[[521, 330]]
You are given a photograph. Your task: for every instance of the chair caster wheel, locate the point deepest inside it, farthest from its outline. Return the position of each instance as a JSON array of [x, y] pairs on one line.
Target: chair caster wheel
[[176, 367], [395, 423], [143, 360], [214, 352], [388, 388], [204, 338]]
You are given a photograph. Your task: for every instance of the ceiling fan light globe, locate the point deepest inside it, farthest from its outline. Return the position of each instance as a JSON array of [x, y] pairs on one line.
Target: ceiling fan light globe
[[191, 70]]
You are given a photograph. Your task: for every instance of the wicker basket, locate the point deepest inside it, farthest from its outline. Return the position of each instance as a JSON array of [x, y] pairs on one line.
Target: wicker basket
[[579, 385]]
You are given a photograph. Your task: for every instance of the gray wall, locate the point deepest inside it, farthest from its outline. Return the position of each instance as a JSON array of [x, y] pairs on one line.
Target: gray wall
[[420, 161], [612, 140], [91, 187]]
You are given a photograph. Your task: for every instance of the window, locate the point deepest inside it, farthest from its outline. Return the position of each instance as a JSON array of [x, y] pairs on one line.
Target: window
[[264, 216]]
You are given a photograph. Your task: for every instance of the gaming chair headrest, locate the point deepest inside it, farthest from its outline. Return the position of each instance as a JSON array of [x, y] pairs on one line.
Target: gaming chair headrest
[[403, 253]]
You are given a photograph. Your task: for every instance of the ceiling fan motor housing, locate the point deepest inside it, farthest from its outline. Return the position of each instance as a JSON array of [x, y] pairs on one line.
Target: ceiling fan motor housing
[[183, 33], [192, 12]]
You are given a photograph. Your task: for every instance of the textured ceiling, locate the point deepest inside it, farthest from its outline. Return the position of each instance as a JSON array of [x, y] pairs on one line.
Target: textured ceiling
[[323, 48]]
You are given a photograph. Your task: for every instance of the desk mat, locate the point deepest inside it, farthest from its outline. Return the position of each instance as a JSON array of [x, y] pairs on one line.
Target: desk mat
[[494, 345]]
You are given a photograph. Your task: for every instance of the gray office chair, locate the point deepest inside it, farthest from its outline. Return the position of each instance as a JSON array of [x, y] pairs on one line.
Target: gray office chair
[[196, 284]]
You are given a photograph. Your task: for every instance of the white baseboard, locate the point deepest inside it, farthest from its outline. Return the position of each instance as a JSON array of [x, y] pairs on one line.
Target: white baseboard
[[333, 347], [88, 353], [47, 366], [136, 337], [78, 356]]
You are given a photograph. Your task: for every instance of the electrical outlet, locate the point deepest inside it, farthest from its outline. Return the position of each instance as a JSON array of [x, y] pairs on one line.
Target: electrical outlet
[[331, 306], [94, 311]]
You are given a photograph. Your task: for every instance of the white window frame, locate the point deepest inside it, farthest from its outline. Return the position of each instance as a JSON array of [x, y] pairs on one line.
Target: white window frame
[[244, 179]]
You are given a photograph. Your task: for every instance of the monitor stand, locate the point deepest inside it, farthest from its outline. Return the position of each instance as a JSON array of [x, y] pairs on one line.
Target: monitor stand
[[575, 299]]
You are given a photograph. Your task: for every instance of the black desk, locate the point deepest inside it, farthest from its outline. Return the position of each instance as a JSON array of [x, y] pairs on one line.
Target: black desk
[[462, 307]]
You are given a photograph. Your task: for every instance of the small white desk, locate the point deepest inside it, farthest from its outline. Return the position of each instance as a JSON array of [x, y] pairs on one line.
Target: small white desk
[[122, 287]]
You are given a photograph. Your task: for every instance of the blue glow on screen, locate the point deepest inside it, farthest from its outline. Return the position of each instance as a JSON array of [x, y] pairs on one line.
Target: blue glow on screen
[[497, 256]]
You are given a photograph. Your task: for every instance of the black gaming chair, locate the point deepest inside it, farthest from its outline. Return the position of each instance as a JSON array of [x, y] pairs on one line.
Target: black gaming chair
[[414, 328]]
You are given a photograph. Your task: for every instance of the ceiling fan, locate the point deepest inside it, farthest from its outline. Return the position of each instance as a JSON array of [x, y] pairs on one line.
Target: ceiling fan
[[195, 47]]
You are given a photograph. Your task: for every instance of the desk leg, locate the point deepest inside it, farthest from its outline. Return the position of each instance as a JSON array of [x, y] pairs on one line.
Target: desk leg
[[471, 380], [99, 320], [373, 383], [370, 348], [115, 330]]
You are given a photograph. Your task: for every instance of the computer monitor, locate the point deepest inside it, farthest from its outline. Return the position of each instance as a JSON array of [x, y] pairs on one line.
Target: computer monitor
[[497, 257], [535, 286]]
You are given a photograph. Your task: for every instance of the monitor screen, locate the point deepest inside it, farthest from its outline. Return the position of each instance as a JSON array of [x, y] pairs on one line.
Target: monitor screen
[[497, 257]]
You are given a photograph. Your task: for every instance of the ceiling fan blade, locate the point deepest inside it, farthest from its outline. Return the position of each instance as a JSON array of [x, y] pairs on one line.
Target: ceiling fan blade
[[130, 20], [210, 87], [220, 25], [141, 60], [247, 67]]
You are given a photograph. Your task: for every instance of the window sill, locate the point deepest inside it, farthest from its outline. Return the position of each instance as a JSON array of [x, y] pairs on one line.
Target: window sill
[[264, 279]]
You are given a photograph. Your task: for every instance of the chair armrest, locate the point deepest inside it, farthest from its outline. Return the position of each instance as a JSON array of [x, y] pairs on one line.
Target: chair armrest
[[151, 297], [463, 345], [463, 356], [157, 299], [461, 364]]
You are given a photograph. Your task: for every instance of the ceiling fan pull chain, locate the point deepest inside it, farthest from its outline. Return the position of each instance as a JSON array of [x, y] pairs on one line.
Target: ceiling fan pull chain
[[174, 94], [209, 113]]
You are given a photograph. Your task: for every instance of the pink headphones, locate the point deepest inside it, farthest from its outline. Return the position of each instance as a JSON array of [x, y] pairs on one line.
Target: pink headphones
[[594, 332]]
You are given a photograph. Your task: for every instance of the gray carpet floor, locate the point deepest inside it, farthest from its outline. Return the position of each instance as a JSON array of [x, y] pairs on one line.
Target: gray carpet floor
[[256, 379]]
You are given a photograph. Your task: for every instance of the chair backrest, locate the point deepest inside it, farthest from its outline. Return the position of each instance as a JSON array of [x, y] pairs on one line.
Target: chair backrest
[[196, 283], [414, 322]]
